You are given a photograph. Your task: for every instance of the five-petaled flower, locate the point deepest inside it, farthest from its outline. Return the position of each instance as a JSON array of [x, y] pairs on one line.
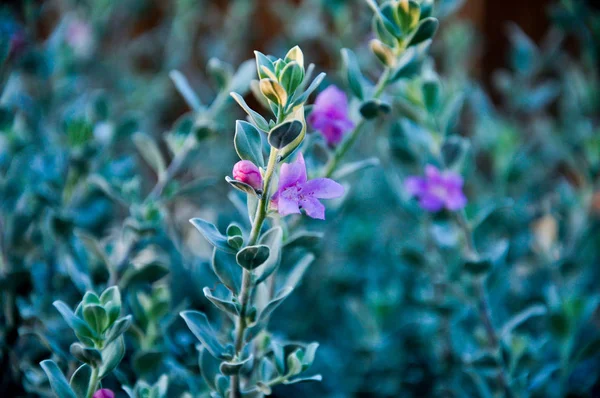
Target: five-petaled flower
[[247, 172], [437, 190], [295, 192], [329, 115], [104, 393]]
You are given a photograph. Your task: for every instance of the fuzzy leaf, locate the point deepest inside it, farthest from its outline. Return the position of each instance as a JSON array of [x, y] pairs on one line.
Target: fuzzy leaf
[[212, 235], [248, 143], [252, 257], [58, 382]]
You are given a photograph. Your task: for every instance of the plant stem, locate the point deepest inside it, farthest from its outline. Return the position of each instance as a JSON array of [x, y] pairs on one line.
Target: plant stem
[[483, 307], [332, 164], [259, 219], [93, 382]]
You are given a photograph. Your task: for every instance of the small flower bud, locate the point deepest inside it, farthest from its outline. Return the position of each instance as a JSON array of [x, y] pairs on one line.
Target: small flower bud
[[104, 393], [245, 171]]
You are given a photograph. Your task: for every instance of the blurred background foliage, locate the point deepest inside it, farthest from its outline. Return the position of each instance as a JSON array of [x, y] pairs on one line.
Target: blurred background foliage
[[86, 82]]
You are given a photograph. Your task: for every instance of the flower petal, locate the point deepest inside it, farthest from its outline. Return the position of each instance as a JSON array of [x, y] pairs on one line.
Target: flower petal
[[453, 180], [331, 97], [286, 207], [313, 207], [322, 188], [415, 186], [292, 173], [431, 203], [456, 200], [432, 173]]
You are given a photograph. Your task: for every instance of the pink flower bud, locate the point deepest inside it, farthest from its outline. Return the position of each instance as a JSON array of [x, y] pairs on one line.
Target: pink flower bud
[[245, 171], [104, 393]]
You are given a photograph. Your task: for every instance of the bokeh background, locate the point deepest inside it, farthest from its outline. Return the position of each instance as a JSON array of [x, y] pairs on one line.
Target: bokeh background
[[527, 76]]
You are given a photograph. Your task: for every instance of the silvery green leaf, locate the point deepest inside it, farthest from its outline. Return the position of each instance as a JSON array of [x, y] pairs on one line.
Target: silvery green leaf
[[291, 77], [240, 82], [431, 94], [409, 13], [425, 31], [426, 8], [273, 239], [454, 151], [58, 382], [285, 133], [234, 229], [229, 273], [222, 383], [112, 355], [96, 317], [523, 316], [234, 368], [252, 257], [274, 92], [183, 86], [303, 379], [220, 71], [235, 241], [242, 186], [201, 328], [354, 167], [304, 239], [256, 118], [194, 187], [486, 211], [81, 380], [408, 65], [313, 86], [293, 363], [297, 272], [224, 305], [90, 356], [210, 367], [295, 54], [117, 329], [309, 355], [248, 143], [212, 235], [262, 63], [382, 33], [143, 274], [374, 108], [263, 388], [386, 19], [150, 152], [75, 323], [276, 302], [353, 73]]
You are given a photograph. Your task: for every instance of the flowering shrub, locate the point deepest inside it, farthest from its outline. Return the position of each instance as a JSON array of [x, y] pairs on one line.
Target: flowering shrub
[[380, 229]]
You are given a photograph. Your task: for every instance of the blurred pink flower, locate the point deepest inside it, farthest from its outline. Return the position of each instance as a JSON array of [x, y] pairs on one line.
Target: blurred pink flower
[[104, 393], [437, 190], [329, 115]]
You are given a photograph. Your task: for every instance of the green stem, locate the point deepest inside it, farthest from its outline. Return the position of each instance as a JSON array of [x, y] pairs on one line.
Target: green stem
[[332, 164], [483, 307], [259, 219], [92, 387]]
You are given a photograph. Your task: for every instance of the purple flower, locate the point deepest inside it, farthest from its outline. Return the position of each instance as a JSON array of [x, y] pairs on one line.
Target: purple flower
[[330, 115], [437, 190], [295, 192], [104, 393], [245, 171]]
